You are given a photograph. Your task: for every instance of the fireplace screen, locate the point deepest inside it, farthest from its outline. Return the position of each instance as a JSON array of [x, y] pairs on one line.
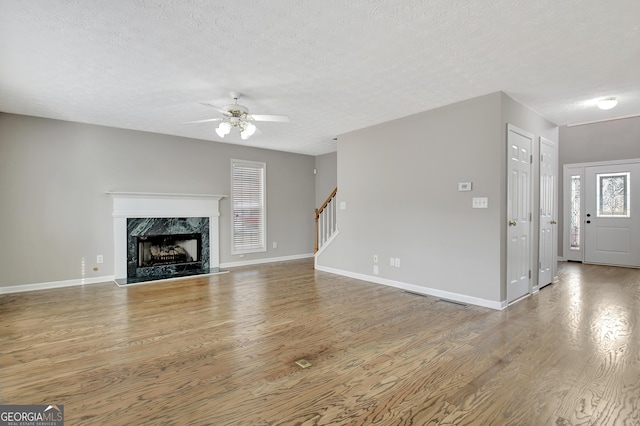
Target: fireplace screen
[[176, 249]]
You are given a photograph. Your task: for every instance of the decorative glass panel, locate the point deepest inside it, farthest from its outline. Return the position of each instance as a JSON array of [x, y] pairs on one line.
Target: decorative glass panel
[[574, 215], [613, 195]]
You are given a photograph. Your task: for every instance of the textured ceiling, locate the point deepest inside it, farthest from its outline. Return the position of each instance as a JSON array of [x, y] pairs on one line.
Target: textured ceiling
[[332, 66]]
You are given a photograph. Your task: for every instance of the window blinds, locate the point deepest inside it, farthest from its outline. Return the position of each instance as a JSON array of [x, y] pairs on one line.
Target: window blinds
[[248, 199]]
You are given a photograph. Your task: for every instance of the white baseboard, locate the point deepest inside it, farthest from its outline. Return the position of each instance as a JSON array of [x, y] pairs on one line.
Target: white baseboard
[[561, 259], [267, 260], [97, 280], [462, 298], [55, 284]]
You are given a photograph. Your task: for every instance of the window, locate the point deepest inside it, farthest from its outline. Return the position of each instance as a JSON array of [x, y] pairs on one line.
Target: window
[[574, 214], [248, 206], [613, 195]]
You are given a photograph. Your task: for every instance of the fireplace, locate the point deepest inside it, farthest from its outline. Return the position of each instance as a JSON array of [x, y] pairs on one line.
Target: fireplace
[[158, 236], [163, 247]]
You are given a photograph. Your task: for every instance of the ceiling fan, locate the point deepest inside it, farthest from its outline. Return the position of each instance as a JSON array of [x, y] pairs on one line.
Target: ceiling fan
[[238, 116]]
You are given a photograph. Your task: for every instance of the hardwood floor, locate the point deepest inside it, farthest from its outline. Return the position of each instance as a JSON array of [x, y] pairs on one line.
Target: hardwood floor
[[221, 350]]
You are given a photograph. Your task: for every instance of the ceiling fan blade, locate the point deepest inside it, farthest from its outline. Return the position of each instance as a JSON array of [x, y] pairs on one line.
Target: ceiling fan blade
[[204, 121], [278, 118], [217, 108]]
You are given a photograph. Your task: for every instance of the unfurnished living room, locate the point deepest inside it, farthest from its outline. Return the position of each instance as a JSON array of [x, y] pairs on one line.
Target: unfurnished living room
[[308, 213]]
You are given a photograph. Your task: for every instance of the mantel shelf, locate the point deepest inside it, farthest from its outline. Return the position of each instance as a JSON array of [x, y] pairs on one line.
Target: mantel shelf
[[161, 195]]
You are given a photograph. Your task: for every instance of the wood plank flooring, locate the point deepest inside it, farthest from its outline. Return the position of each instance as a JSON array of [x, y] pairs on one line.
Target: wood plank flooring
[[221, 350]]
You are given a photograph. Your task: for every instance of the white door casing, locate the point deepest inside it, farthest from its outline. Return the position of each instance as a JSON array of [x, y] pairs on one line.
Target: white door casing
[[548, 236], [612, 239], [519, 160]]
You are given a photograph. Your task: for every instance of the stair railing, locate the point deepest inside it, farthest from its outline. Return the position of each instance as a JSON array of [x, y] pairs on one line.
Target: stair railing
[[325, 218]]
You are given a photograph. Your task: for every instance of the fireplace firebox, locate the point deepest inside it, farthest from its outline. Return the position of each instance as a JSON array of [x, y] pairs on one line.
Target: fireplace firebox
[[176, 249], [167, 247]]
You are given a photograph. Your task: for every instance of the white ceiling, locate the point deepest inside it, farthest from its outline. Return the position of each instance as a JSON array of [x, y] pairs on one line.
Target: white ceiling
[[332, 66]]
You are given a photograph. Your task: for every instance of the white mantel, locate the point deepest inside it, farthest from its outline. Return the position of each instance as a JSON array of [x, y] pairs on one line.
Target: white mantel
[[153, 205]]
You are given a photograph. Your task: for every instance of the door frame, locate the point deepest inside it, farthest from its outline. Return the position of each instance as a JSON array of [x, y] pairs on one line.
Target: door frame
[[579, 169]]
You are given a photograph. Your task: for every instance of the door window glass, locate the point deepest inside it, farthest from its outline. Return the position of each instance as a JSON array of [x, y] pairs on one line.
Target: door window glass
[[574, 217], [613, 194]]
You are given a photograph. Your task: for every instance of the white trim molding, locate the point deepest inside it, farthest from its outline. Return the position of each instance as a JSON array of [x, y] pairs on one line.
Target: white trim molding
[[267, 260], [327, 243], [158, 205], [56, 284], [447, 295]]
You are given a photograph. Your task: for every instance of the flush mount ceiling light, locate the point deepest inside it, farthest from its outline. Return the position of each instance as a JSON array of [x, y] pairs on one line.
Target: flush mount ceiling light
[[607, 103], [238, 116]]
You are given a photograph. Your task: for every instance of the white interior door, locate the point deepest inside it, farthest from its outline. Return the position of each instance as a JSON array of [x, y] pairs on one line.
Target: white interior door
[[519, 157], [548, 239], [611, 225]]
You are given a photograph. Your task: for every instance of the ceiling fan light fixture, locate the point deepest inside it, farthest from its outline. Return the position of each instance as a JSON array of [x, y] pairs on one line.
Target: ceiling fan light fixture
[[248, 131], [223, 129], [607, 103], [238, 116]]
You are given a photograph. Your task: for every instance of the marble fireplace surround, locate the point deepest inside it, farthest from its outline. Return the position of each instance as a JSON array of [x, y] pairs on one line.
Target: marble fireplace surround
[[160, 205]]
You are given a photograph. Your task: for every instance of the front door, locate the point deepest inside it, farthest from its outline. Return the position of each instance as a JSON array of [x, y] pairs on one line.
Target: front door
[[548, 223], [518, 224], [612, 206]]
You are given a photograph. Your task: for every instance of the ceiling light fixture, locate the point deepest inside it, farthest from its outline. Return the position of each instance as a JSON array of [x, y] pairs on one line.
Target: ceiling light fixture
[[607, 103], [236, 116], [223, 129]]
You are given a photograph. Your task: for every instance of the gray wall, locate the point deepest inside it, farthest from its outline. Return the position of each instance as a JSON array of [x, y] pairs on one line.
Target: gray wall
[[606, 141], [326, 176], [399, 181], [54, 211]]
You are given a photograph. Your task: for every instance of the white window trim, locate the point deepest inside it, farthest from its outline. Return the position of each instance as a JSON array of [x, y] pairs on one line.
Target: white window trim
[[263, 245]]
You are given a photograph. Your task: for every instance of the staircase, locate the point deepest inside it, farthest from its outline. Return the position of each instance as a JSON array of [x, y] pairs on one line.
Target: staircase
[[325, 218]]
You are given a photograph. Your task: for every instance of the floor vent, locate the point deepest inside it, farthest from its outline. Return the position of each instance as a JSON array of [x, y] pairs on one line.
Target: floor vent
[[303, 363], [416, 293], [453, 302]]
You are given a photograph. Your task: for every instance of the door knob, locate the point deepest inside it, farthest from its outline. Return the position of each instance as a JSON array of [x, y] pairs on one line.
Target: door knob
[[553, 222], [512, 223]]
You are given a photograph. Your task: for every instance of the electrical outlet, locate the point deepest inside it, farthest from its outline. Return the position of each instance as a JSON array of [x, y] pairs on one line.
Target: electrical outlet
[[392, 261], [375, 258], [480, 203], [375, 270], [397, 262], [99, 259], [275, 245]]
